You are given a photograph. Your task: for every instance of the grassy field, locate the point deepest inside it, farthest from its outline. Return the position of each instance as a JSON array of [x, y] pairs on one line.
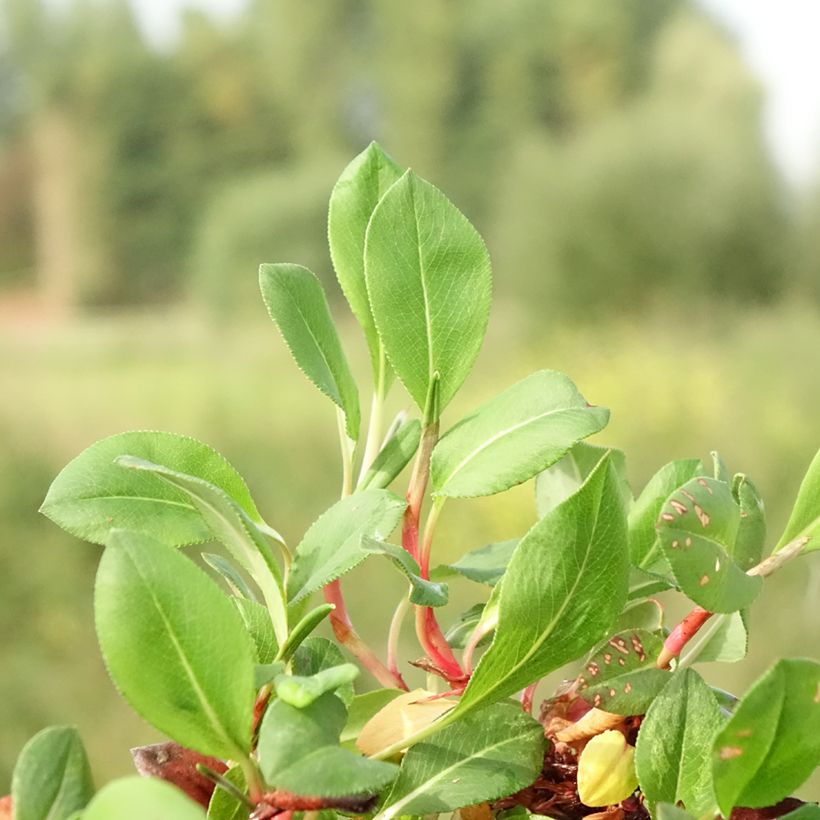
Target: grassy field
[[746, 384]]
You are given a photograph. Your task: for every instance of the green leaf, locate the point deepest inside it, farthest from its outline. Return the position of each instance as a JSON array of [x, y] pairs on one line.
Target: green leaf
[[223, 805], [297, 303], [771, 744], [362, 708], [565, 586], [259, 627], [393, 457], [804, 521], [640, 615], [461, 629], [266, 673], [751, 534], [237, 585], [299, 751], [303, 629], [563, 478], [724, 638], [697, 529], [808, 811], [429, 284], [52, 778], [513, 437], [92, 495], [317, 654], [642, 583], [300, 691], [666, 811], [175, 645], [422, 592], [357, 192], [140, 798], [485, 565], [332, 544], [621, 675], [673, 752], [644, 549], [488, 754]]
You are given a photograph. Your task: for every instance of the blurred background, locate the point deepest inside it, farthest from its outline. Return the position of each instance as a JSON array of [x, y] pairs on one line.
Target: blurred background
[[644, 173]]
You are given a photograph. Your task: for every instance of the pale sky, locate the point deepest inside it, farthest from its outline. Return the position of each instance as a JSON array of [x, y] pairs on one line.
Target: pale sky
[[778, 38]]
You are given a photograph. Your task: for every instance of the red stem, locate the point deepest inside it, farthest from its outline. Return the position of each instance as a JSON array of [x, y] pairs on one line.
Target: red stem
[[681, 635], [527, 696]]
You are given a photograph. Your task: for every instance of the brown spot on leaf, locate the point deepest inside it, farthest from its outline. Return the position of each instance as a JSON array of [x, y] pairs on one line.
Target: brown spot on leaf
[[638, 647], [688, 542], [620, 645], [705, 484], [667, 516], [728, 752], [674, 545], [627, 688], [680, 509], [596, 701], [621, 662], [702, 515], [743, 733], [817, 694], [593, 669], [704, 579], [607, 658], [689, 495], [612, 693]]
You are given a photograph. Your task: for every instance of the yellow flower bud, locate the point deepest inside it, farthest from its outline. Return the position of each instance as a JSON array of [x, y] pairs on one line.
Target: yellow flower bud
[[606, 770], [401, 718]]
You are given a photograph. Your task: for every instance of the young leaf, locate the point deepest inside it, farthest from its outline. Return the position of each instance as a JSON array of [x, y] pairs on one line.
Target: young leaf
[[332, 544], [485, 565], [673, 750], [300, 691], [258, 625], [644, 550], [317, 654], [224, 805], [175, 645], [621, 675], [486, 755], [360, 187], [697, 529], [460, 631], [429, 284], [751, 534], [804, 521], [564, 587], [513, 437], [297, 303], [237, 585], [564, 477], [771, 744], [299, 751], [361, 709], [138, 798], [93, 495], [422, 592], [393, 457], [52, 777], [302, 630]]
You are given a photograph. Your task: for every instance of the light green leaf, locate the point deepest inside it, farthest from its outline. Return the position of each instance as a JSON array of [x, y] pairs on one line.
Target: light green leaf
[[643, 583], [485, 565], [317, 654], [808, 811], [332, 544], [621, 676], [771, 744], [175, 645], [751, 534], [92, 495], [429, 284], [488, 754], [141, 798], [565, 586], [422, 592], [724, 639], [640, 615], [303, 629], [237, 585], [299, 751], [357, 192], [460, 631], [697, 529], [644, 549], [672, 756], [258, 625], [666, 811], [804, 521], [362, 708], [393, 457], [513, 437], [563, 478], [223, 805], [52, 778], [266, 673], [297, 303], [300, 691]]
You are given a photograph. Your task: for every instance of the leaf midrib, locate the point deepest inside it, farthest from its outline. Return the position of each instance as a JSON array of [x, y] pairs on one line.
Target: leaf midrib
[[63, 782], [425, 296]]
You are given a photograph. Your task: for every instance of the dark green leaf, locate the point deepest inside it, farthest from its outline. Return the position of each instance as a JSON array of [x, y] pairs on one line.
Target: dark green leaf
[[674, 744], [513, 437], [141, 798], [52, 778], [771, 744], [317, 654], [429, 284], [223, 805], [804, 521], [460, 631], [92, 495], [175, 645], [297, 303], [565, 586], [485, 565], [360, 187], [697, 529], [488, 754], [301, 690], [393, 457], [303, 629], [299, 751], [332, 545], [231, 575], [422, 592]]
